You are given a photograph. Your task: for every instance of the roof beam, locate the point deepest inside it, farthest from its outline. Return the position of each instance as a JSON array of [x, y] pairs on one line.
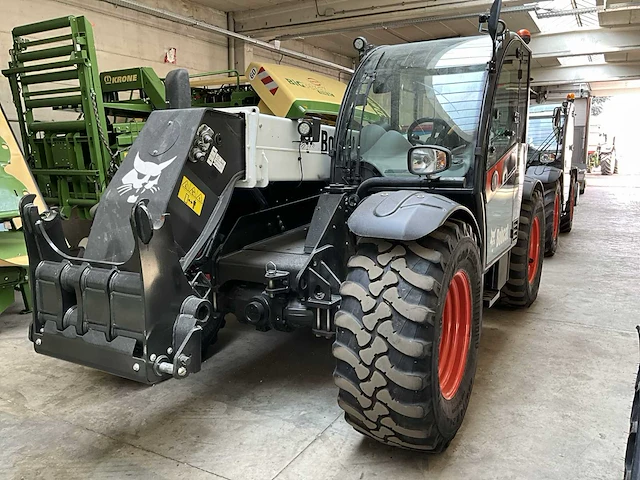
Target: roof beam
[[585, 42], [616, 7], [585, 74], [184, 20], [302, 18]]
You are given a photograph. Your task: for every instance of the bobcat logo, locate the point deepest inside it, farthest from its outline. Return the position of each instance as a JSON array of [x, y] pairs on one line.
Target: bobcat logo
[[143, 177]]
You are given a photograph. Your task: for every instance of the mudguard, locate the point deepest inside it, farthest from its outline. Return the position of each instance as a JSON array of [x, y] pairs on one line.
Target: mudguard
[[529, 186], [545, 173], [404, 215]]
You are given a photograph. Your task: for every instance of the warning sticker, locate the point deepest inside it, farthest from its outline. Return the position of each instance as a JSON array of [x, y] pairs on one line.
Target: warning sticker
[[215, 160], [191, 195]]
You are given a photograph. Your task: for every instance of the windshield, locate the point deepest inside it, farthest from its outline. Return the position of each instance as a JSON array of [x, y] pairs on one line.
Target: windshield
[[427, 93], [543, 138]]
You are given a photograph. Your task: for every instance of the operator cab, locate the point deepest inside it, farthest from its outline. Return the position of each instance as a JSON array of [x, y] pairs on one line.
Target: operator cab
[[403, 96], [546, 129]]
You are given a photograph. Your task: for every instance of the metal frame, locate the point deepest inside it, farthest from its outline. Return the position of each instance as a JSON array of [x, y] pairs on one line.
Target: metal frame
[[78, 183]]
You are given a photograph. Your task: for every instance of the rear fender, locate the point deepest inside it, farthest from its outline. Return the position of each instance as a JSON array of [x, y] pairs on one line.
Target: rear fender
[[406, 215]]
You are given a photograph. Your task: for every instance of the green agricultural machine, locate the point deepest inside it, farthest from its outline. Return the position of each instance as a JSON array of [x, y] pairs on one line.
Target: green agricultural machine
[[77, 123], [15, 181], [70, 115], [13, 274]]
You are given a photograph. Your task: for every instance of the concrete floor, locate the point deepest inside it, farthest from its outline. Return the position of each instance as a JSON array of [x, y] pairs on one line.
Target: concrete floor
[[551, 400]]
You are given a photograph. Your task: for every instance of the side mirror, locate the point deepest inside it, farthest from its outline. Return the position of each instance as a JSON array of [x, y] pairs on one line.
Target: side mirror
[[557, 117], [493, 23], [429, 159]]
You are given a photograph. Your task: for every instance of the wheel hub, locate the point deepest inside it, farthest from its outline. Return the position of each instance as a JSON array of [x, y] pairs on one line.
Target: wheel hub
[[455, 335]]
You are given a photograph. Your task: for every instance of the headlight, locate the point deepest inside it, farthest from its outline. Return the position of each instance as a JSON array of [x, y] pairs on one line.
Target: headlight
[[360, 43], [426, 160], [304, 128]]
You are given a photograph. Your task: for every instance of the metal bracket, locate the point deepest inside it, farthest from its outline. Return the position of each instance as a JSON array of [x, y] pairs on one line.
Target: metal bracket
[[187, 340]]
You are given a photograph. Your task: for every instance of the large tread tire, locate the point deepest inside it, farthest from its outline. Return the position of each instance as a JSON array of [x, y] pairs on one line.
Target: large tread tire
[[552, 219], [388, 335], [520, 290], [566, 221], [615, 167], [605, 164]]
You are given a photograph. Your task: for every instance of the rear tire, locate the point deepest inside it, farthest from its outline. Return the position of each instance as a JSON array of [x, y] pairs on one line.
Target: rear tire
[[566, 222], [552, 209], [605, 164], [525, 270], [395, 335], [583, 187]]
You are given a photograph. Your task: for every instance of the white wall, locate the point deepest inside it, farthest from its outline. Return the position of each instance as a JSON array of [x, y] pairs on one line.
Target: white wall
[[273, 57], [124, 38]]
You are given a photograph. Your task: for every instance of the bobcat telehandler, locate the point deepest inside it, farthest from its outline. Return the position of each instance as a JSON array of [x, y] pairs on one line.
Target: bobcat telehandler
[[390, 245], [551, 130]]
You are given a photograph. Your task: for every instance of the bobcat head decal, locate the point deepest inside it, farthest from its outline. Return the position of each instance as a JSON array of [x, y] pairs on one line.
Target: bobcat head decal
[[143, 177]]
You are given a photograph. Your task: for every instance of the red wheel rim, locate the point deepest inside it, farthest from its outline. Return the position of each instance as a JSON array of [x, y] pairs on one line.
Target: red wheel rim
[[556, 216], [534, 249], [455, 335]]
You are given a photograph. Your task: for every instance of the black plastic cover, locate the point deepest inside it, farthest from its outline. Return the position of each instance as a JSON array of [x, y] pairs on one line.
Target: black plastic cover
[[157, 168]]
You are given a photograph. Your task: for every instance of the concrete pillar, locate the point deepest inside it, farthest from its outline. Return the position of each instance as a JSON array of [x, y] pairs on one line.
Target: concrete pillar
[[243, 56]]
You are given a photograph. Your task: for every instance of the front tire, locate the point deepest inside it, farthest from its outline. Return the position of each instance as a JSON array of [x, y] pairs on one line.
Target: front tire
[[525, 270], [552, 209], [407, 337]]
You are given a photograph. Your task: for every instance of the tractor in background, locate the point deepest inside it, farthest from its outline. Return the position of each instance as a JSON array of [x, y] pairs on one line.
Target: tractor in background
[[551, 129], [602, 152]]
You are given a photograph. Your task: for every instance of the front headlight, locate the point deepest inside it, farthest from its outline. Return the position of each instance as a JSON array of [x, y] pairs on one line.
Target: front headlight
[[427, 160]]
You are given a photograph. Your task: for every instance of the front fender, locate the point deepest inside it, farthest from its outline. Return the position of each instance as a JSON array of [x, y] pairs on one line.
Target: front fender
[[530, 184], [545, 173], [404, 215]]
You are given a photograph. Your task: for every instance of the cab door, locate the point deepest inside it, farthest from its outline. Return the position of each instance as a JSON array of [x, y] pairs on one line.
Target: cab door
[[506, 151], [567, 150]]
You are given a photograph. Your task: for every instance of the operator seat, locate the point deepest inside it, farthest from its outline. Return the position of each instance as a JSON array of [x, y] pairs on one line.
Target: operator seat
[[369, 135], [389, 153]]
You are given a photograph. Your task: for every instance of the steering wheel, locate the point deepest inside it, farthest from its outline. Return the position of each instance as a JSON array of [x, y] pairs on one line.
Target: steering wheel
[[439, 130]]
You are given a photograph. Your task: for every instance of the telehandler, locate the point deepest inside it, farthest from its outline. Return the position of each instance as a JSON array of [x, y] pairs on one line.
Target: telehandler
[[551, 130], [390, 244]]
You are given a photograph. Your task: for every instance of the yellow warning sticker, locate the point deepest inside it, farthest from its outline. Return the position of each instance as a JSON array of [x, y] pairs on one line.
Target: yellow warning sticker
[[191, 195]]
